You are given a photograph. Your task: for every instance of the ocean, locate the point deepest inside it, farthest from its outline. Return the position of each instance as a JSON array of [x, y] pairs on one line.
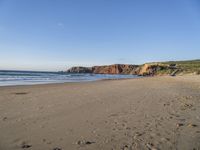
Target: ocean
[[8, 78]]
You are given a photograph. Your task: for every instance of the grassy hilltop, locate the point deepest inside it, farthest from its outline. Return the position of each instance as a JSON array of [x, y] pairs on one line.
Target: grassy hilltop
[[179, 67]]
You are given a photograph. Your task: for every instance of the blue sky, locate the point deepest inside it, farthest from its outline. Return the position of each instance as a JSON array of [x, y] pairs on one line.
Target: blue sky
[[56, 34]]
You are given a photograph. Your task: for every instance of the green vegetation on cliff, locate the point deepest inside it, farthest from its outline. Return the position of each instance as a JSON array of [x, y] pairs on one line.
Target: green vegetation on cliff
[[184, 67]]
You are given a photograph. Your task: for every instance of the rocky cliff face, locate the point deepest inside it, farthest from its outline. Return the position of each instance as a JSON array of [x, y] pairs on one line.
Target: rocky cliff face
[[110, 69], [151, 69], [144, 70], [80, 70], [114, 69], [158, 69]]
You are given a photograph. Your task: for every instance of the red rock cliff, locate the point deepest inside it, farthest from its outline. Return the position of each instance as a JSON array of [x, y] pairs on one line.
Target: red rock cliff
[[110, 69], [144, 70], [114, 69]]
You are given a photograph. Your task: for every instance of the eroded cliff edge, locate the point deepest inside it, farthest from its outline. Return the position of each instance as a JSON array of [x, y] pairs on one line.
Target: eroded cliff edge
[[144, 70], [148, 69]]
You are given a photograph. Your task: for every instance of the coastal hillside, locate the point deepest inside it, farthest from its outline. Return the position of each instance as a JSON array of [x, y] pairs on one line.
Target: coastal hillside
[[115, 69], [190, 66], [147, 69], [107, 69]]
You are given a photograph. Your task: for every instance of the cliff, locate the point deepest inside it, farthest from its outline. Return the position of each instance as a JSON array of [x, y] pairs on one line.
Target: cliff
[[80, 70], [154, 69], [143, 70], [110, 69], [148, 69], [115, 69]]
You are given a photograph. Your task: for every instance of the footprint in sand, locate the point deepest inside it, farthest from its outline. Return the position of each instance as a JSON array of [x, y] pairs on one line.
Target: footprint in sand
[[22, 144], [151, 146], [47, 142], [186, 106], [179, 125], [4, 118], [113, 115], [166, 104], [126, 147], [21, 93], [192, 125], [84, 142], [25, 145], [57, 148]]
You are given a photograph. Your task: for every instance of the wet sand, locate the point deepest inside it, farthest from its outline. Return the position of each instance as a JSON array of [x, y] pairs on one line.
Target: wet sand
[[133, 114]]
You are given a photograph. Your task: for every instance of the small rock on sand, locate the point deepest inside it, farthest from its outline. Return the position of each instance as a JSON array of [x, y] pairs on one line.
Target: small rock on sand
[[150, 146], [126, 147], [83, 142], [179, 124], [192, 125], [25, 145]]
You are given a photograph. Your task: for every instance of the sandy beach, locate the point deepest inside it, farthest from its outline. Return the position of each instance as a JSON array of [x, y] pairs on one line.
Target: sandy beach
[[131, 114]]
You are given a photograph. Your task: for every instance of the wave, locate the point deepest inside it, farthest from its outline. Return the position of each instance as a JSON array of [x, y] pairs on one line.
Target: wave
[[30, 77]]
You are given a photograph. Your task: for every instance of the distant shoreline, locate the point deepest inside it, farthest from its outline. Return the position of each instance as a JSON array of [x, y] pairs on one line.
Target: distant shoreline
[[100, 80], [9, 78]]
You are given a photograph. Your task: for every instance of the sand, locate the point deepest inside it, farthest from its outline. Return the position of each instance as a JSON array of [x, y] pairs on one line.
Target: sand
[[131, 114]]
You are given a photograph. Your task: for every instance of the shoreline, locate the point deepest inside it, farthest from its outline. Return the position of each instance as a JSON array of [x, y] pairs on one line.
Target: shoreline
[[1, 86], [141, 113], [34, 78], [71, 82]]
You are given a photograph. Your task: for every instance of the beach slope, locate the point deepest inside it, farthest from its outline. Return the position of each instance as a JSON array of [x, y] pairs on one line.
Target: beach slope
[[145, 113]]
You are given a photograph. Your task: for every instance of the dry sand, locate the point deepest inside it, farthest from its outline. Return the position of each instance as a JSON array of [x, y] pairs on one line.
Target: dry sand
[[133, 114]]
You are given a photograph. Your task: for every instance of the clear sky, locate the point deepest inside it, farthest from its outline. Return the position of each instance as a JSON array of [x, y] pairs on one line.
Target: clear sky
[[56, 34]]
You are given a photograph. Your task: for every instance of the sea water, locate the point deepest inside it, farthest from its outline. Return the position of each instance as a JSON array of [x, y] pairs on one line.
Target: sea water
[[8, 78]]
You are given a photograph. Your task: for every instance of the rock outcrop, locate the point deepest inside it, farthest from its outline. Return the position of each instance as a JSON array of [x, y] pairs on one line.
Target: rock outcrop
[[143, 70], [115, 69], [158, 69], [80, 70], [151, 69], [110, 69]]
